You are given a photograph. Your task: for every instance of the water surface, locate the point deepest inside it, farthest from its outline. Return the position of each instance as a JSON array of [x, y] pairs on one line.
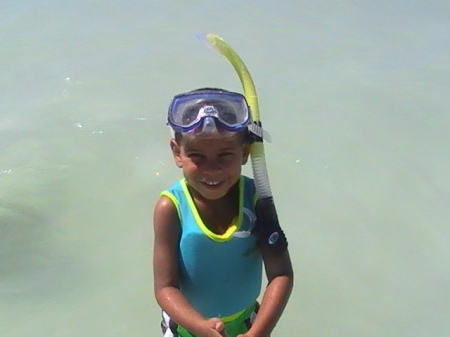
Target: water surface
[[354, 94]]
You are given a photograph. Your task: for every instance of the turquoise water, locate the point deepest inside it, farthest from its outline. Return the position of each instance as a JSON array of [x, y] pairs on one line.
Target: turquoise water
[[354, 94]]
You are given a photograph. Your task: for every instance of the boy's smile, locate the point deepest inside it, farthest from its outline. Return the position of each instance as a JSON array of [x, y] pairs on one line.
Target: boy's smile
[[212, 184]]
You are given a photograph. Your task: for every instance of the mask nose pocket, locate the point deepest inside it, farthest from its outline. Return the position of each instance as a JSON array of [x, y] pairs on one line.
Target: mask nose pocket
[[209, 125]]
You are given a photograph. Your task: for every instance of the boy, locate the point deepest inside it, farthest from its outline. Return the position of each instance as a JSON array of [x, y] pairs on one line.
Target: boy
[[207, 262]]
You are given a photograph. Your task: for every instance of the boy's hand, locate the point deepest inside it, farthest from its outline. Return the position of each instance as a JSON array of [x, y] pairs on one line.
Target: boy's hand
[[214, 328]]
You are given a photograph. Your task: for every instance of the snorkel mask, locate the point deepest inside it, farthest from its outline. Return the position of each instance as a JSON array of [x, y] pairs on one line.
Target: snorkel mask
[[209, 111]]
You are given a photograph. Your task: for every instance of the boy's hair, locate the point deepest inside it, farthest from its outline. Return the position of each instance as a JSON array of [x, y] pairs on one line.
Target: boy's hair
[[245, 135], [208, 89]]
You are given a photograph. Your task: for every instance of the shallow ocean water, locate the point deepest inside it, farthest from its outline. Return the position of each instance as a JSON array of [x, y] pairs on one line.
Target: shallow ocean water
[[355, 96]]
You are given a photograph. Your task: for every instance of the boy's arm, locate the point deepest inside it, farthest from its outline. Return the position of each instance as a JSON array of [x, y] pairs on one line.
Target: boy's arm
[[280, 282], [167, 232]]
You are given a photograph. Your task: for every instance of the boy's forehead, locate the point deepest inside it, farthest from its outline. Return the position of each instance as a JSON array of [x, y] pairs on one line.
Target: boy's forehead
[[211, 141]]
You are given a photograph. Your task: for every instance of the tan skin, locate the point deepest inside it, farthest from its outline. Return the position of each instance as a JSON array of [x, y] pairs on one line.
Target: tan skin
[[212, 167]]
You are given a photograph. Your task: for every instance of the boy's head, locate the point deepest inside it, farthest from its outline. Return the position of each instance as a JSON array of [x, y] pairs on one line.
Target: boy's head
[[209, 112], [211, 139]]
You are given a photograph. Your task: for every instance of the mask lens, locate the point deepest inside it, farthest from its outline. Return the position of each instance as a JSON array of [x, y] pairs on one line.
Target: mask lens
[[227, 113], [184, 113]]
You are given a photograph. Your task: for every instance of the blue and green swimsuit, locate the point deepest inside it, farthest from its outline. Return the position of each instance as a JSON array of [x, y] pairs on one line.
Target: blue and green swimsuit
[[220, 275]]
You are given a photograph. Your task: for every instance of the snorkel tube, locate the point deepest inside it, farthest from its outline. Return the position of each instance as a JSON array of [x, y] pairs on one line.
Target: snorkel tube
[[267, 228]]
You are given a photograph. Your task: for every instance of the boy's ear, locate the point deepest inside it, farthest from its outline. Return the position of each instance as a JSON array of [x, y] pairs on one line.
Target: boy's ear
[[245, 154], [176, 152]]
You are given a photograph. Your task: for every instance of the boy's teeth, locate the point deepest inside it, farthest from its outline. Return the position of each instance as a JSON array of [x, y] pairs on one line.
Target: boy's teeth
[[212, 183]]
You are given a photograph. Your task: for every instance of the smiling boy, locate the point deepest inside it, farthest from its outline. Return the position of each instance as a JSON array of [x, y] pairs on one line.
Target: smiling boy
[[207, 265]]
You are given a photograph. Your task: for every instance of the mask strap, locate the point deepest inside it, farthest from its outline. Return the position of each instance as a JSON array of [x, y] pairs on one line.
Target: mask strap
[[260, 132]]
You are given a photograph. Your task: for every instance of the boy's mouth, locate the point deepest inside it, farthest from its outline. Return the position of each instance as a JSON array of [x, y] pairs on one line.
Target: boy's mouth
[[211, 183]]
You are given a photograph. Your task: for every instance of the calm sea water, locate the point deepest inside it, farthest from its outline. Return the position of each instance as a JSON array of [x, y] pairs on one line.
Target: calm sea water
[[354, 94]]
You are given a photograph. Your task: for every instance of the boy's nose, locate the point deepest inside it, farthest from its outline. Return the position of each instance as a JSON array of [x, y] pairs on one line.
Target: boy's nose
[[212, 165]]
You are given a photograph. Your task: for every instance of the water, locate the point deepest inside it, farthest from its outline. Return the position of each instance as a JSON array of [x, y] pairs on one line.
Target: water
[[355, 96]]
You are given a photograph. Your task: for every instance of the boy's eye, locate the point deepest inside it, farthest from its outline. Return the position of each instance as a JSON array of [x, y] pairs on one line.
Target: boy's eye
[[194, 155], [227, 154]]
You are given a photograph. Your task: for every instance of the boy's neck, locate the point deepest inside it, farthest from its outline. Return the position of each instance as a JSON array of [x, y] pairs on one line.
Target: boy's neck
[[217, 214]]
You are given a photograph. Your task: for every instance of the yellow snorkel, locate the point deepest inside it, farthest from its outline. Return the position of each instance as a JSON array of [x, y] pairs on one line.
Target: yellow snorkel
[[268, 228], [246, 80]]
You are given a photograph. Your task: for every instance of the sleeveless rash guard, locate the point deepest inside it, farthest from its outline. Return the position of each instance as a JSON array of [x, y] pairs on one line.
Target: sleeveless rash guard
[[220, 275]]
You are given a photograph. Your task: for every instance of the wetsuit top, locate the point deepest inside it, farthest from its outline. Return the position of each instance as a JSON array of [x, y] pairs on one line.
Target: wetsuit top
[[220, 275]]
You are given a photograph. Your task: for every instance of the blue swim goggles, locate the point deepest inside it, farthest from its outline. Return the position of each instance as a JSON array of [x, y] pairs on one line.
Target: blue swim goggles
[[204, 111]]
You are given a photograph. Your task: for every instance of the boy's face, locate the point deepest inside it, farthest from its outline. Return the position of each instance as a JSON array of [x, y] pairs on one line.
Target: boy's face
[[211, 165]]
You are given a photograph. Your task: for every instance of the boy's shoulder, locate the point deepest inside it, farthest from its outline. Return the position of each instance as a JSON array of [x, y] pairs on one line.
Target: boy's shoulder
[[248, 180], [249, 185], [177, 185]]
